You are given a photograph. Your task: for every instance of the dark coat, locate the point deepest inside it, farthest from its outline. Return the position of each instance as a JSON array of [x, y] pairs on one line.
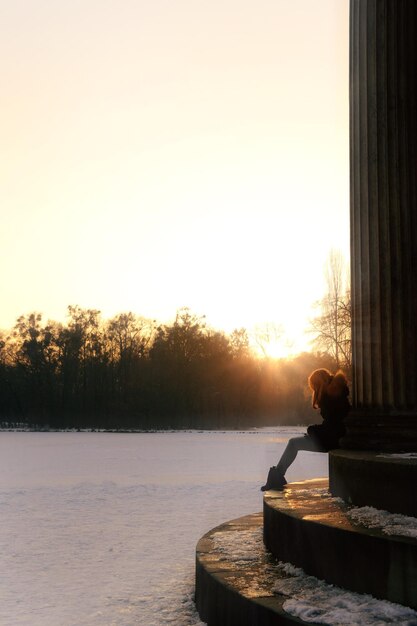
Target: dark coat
[[333, 409]]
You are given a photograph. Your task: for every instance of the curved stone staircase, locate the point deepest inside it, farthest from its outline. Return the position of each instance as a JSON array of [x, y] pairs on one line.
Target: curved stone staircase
[[239, 583]]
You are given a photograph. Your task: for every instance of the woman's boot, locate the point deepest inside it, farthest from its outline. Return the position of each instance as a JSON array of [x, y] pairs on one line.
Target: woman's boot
[[275, 480]]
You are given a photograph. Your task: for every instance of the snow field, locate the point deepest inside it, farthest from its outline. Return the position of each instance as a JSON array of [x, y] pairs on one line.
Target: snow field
[[100, 529]]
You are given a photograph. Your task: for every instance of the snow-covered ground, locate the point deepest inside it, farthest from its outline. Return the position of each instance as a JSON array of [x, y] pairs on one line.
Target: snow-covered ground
[[99, 529]]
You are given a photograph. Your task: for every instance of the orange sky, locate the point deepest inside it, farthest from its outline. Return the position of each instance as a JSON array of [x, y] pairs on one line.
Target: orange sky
[[172, 153]]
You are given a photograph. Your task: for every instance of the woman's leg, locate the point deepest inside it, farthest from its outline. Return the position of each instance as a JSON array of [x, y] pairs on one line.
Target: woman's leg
[[294, 445]]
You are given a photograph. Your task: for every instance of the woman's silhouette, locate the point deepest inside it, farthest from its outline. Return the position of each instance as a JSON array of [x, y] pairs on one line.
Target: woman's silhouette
[[330, 395]]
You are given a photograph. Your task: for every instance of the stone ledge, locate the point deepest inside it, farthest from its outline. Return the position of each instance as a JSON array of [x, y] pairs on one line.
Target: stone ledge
[[237, 594], [385, 481], [303, 527]]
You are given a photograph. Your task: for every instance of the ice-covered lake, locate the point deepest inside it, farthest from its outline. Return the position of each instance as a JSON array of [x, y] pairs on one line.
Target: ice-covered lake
[[99, 529]]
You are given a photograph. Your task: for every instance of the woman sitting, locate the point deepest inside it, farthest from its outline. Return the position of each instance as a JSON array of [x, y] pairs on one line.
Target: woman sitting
[[330, 395]]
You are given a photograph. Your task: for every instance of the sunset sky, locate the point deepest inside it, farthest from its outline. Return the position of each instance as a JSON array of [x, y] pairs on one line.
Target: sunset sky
[[166, 153]]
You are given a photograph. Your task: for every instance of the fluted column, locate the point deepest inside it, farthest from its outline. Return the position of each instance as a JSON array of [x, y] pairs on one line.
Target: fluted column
[[383, 162]]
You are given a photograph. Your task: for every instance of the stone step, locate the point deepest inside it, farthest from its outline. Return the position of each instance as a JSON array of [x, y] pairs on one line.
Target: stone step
[[305, 526], [384, 480], [240, 583], [234, 587]]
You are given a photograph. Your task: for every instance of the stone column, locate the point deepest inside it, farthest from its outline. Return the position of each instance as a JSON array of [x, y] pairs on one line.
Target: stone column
[[383, 162]]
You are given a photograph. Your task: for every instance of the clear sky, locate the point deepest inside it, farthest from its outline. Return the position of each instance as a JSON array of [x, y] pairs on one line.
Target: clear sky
[[166, 153]]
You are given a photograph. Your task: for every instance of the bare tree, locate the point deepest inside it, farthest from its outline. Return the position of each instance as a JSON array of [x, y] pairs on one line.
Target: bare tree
[[266, 336], [332, 327]]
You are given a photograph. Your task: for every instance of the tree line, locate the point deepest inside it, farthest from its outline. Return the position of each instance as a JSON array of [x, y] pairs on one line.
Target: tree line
[[128, 372]]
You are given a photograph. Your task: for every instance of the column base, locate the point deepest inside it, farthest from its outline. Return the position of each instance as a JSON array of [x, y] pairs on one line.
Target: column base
[[382, 480], [386, 433]]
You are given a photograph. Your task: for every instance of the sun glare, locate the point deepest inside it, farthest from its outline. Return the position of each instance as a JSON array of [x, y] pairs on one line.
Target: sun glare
[[275, 350], [156, 179]]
